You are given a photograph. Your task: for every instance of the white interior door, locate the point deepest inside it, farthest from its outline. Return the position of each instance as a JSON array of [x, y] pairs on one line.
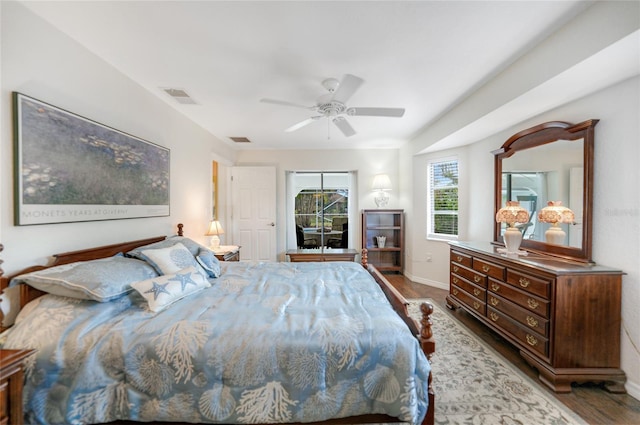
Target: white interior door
[[253, 194]]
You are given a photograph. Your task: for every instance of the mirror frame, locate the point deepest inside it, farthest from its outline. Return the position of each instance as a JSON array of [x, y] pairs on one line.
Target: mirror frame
[[539, 135]]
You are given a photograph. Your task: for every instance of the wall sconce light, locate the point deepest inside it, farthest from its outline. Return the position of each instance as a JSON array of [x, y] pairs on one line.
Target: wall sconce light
[[215, 229], [555, 214], [381, 185], [512, 214]]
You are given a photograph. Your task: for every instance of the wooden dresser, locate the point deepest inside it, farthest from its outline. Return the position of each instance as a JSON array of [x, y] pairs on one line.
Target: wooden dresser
[[563, 316]]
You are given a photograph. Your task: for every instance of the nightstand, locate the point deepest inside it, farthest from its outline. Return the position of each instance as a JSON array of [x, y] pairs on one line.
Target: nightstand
[[228, 253], [11, 381]]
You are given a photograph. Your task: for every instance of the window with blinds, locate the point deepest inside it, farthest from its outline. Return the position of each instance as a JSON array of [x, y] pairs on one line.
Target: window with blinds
[[442, 199]]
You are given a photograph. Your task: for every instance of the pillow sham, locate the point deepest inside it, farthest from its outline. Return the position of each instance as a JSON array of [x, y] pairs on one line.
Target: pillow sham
[[190, 244], [207, 259], [162, 291], [100, 280], [171, 259]]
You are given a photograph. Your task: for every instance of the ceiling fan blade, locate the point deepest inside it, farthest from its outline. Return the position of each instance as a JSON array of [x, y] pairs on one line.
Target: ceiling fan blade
[[301, 124], [344, 126], [347, 87], [285, 103], [376, 112]]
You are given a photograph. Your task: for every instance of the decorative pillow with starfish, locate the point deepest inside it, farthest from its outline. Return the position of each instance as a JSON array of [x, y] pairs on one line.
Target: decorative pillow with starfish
[[162, 291]]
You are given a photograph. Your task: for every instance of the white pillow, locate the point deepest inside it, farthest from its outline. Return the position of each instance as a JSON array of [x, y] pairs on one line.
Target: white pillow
[[163, 291], [171, 259]]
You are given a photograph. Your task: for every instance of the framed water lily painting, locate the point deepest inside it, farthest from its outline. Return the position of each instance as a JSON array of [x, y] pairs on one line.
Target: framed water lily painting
[[69, 168]]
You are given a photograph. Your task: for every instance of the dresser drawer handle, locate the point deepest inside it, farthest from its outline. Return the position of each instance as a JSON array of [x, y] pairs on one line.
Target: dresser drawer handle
[[524, 282], [455, 280], [531, 340], [495, 287], [476, 291], [476, 305], [494, 301], [455, 291], [532, 303], [532, 322], [477, 278], [455, 268], [494, 316], [459, 258], [486, 268]]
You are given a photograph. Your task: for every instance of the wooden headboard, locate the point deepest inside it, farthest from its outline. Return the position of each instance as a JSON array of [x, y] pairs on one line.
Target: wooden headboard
[[27, 293]]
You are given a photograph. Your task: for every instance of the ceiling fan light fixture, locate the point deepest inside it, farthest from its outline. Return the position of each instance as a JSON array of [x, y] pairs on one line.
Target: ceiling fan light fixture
[[331, 84]]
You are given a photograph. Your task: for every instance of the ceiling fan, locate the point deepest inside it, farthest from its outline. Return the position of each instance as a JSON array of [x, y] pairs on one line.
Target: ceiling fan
[[333, 106]]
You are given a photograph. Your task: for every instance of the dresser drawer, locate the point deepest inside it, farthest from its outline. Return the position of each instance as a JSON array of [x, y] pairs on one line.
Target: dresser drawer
[[526, 318], [469, 274], [460, 258], [531, 340], [534, 285], [475, 290], [469, 300], [490, 269], [523, 299]]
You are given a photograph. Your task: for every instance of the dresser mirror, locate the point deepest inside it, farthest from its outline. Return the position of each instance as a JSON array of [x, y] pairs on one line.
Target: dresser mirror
[[549, 162]]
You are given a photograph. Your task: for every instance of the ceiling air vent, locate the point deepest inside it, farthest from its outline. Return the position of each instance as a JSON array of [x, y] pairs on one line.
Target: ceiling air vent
[[179, 95], [240, 139]]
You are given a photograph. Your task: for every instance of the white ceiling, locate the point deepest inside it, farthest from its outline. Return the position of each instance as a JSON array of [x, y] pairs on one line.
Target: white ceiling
[[424, 56]]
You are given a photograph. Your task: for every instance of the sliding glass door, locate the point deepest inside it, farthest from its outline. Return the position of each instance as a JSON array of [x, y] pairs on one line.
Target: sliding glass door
[[321, 208]]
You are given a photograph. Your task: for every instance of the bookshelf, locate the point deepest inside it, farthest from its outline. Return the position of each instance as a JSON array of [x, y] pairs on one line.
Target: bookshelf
[[390, 224]]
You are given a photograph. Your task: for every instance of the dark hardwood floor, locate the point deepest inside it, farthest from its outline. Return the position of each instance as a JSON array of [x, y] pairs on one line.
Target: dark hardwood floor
[[594, 404]]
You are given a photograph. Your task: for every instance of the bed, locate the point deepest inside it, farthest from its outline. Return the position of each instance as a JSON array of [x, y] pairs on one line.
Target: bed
[[259, 343]]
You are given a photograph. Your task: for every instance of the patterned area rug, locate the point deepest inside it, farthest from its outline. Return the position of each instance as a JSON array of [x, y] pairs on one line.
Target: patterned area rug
[[476, 385]]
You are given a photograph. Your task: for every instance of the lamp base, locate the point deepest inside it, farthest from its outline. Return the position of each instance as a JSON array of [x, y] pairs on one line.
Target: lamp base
[[215, 242], [382, 199], [512, 238], [555, 235]]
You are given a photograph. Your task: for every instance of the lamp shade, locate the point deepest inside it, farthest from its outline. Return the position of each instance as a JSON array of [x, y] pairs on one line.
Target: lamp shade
[[512, 213], [381, 182], [555, 212], [215, 229]]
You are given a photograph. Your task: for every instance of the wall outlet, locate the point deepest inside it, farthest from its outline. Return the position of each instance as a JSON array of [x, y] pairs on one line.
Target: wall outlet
[[427, 257]]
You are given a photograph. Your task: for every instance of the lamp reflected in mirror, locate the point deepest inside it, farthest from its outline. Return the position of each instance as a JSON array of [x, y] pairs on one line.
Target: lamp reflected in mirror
[[555, 214]]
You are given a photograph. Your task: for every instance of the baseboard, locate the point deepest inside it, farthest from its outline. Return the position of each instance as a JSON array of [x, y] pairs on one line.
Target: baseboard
[[428, 282], [633, 389]]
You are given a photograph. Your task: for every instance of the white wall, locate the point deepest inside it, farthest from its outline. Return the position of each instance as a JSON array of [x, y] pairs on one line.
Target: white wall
[[367, 163], [42, 62]]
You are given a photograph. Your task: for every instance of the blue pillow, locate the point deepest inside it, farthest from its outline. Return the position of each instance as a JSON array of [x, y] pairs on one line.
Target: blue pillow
[[209, 262], [101, 280]]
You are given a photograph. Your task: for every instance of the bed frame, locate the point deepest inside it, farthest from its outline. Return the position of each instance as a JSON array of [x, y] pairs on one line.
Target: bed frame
[[422, 330]]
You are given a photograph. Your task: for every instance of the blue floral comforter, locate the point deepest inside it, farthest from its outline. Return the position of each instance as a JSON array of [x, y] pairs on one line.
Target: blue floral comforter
[[267, 343]]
